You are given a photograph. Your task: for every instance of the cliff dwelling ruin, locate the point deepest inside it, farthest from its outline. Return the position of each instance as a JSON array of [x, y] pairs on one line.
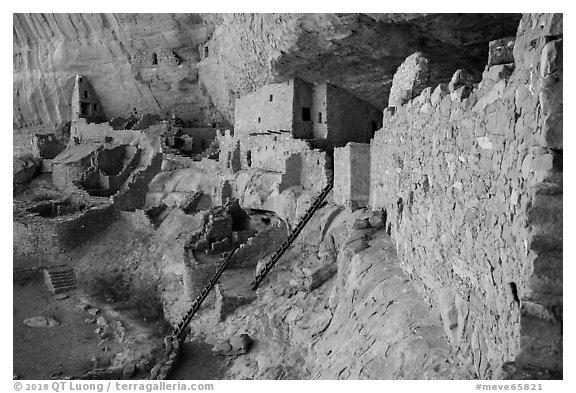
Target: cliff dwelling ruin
[[343, 196]]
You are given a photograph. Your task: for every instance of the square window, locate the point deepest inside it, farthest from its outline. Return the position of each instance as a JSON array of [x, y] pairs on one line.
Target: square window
[[84, 108]]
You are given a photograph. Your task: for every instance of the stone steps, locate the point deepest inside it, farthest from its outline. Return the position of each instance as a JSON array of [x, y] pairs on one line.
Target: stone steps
[[60, 279]]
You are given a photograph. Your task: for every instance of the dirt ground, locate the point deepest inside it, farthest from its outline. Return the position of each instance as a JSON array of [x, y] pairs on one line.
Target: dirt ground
[[198, 362], [66, 349]]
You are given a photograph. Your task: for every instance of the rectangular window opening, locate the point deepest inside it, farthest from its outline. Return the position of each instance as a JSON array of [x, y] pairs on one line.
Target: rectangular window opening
[[271, 97], [306, 114], [85, 93], [84, 108], [319, 117]]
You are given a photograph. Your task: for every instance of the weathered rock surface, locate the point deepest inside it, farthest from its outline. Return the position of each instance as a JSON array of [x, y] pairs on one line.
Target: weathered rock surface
[[195, 65], [41, 321], [365, 321], [236, 345], [24, 168]]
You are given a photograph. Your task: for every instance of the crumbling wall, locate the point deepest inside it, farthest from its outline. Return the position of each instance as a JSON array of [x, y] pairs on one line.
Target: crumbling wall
[[40, 240], [202, 138], [82, 132], [32, 242], [46, 146], [69, 166], [473, 191], [409, 79], [286, 155], [73, 230], [294, 158], [352, 175], [260, 244], [133, 193]]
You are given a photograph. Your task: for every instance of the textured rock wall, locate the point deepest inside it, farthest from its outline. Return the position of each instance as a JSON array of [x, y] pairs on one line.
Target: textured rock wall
[[355, 51], [473, 192], [337, 306], [146, 62], [195, 66]]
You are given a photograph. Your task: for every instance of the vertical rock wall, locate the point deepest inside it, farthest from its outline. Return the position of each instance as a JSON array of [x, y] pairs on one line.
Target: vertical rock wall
[[473, 191]]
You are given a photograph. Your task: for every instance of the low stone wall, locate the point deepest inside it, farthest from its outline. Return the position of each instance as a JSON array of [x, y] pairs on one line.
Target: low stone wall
[[71, 231], [99, 132], [472, 187], [40, 240]]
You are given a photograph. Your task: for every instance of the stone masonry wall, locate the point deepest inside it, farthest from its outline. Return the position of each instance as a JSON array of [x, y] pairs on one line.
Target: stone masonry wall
[[473, 192], [40, 240], [352, 175], [32, 242], [255, 112], [263, 243], [349, 118], [98, 132], [71, 231], [294, 158], [409, 79]]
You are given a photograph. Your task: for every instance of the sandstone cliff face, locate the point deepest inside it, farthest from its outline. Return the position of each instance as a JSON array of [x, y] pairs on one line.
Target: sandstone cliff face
[[145, 62], [194, 66]]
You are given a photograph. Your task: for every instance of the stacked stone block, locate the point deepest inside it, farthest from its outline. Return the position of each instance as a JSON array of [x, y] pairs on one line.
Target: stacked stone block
[[472, 187]]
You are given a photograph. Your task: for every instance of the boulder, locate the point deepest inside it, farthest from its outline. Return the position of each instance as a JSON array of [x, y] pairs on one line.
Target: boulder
[[376, 220], [236, 345], [24, 168], [360, 224], [41, 321]]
